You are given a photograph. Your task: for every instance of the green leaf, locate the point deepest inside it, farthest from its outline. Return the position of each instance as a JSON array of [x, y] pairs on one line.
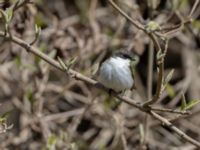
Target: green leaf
[[135, 60], [191, 104], [183, 103], [52, 54], [14, 1], [9, 14], [71, 61], [30, 95], [18, 61], [73, 146], [170, 90], [3, 15], [159, 55], [152, 26], [40, 20], [43, 47], [141, 129], [183, 4], [83, 7], [95, 68], [37, 30], [169, 76], [4, 116], [109, 33], [111, 102], [62, 64], [51, 141], [2, 120], [196, 24]]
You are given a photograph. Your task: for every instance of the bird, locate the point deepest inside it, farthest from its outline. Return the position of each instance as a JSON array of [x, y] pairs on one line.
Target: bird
[[116, 72]]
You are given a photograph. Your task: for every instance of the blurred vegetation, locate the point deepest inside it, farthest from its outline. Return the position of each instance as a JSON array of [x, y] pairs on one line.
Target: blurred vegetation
[[42, 108]]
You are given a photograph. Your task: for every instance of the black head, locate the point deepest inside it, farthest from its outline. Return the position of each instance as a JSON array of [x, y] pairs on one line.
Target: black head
[[125, 55]]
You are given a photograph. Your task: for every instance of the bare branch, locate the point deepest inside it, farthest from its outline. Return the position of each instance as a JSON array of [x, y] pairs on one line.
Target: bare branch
[[134, 22], [170, 111], [193, 8]]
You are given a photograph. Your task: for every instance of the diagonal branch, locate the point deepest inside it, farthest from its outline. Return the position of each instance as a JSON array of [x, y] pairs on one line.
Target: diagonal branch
[[193, 8], [134, 22]]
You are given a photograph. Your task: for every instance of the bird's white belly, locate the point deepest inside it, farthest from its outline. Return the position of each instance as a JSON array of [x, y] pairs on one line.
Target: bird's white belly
[[116, 77]]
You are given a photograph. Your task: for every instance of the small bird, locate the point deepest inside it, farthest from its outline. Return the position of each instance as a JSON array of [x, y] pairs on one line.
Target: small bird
[[116, 72]]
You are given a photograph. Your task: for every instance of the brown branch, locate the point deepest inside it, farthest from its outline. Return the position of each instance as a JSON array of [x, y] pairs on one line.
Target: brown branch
[[175, 129], [171, 30], [170, 111], [193, 8], [66, 114], [83, 78], [134, 22]]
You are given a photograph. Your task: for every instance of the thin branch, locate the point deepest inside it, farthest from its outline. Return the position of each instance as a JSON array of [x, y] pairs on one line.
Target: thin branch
[[193, 8], [150, 71], [175, 129], [149, 89], [176, 28], [134, 22], [171, 111], [66, 114], [160, 74]]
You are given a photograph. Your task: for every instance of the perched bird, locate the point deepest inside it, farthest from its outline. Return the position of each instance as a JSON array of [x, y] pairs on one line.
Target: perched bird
[[116, 72]]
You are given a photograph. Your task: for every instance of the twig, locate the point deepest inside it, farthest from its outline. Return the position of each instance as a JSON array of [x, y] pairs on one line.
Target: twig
[[19, 5], [171, 111], [193, 8], [149, 89], [150, 71], [67, 114], [175, 129], [176, 28], [134, 22], [160, 73]]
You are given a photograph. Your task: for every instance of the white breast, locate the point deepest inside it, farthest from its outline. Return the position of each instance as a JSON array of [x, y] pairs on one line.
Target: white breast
[[115, 74]]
